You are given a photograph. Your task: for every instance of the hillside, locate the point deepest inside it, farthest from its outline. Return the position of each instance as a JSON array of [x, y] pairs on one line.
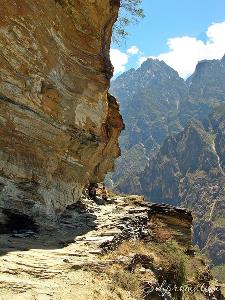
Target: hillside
[[188, 171], [150, 99], [155, 103], [185, 166]]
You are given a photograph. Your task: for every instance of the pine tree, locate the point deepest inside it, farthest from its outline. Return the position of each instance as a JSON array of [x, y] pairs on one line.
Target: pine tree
[[130, 13]]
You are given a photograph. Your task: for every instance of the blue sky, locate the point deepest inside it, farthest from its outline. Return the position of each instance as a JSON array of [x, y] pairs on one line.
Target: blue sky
[[180, 32]]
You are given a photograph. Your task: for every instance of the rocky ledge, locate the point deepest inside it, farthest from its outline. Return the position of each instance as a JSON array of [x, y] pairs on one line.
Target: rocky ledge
[[59, 127], [123, 249]]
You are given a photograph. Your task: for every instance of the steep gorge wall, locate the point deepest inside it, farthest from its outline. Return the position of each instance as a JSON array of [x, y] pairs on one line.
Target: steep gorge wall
[[58, 124]]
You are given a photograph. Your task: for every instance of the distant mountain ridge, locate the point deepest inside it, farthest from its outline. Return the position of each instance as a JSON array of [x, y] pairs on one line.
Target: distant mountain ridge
[[155, 103], [189, 171], [208, 80], [173, 148], [149, 101], [147, 96]]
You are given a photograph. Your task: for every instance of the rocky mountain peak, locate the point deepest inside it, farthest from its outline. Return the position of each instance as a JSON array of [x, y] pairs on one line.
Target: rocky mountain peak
[[150, 100], [181, 126], [155, 68], [208, 81]]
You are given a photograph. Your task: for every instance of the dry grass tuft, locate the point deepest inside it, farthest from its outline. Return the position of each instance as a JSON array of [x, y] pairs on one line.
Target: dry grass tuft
[[125, 280]]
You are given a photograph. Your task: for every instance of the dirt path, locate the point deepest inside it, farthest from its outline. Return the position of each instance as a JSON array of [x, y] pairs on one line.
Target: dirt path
[[56, 264]]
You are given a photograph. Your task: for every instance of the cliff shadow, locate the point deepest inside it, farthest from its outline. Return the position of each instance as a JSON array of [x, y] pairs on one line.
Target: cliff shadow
[[21, 233]]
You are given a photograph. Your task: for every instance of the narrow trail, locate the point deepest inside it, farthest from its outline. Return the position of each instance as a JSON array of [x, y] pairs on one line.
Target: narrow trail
[[38, 267], [218, 158], [212, 210]]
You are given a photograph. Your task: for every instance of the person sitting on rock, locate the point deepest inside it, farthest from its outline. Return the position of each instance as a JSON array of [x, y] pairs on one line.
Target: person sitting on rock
[[104, 193]]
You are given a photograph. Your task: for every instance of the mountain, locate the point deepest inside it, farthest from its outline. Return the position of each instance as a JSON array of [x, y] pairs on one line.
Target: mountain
[[206, 89], [185, 163], [189, 171], [155, 103], [150, 99], [208, 81]]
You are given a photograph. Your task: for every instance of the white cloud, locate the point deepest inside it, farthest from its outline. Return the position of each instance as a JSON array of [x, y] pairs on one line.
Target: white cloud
[[185, 52], [120, 59], [142, 59], [133, 50]]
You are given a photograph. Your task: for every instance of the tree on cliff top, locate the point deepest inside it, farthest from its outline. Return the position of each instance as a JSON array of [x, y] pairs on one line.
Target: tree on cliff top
[[130, 13]]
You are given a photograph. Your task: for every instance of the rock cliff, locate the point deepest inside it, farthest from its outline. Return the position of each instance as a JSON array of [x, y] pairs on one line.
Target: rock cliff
[[59, 126]]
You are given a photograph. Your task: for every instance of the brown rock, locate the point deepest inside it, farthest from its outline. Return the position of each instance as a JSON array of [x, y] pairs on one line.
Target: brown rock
[[59, 127]]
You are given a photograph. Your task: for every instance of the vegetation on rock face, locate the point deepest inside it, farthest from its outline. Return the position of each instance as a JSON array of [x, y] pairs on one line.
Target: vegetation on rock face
[[130, 13], [165, 262]]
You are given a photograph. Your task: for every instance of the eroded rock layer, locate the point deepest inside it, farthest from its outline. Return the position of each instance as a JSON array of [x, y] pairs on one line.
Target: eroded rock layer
[[58, 125]]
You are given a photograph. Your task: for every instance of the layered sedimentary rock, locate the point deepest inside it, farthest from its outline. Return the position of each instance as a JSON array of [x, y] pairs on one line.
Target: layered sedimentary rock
[[59, 126]]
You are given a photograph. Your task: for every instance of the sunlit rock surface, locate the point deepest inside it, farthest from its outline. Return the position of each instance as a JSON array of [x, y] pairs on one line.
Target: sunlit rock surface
[[58, 125], [123, 249]]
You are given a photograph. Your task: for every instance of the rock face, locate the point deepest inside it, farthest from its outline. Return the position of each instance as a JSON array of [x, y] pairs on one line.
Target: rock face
[[204, 86], [58, 124]]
